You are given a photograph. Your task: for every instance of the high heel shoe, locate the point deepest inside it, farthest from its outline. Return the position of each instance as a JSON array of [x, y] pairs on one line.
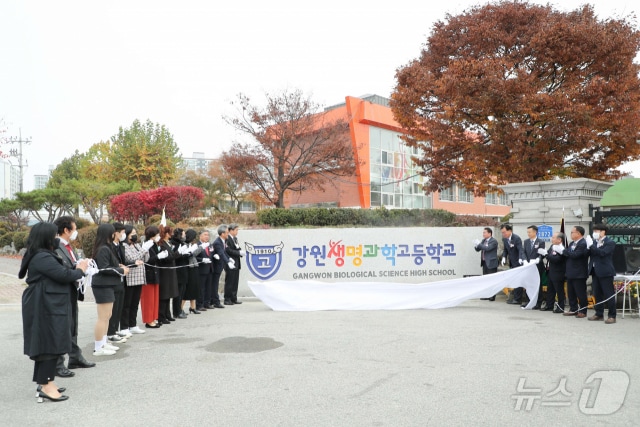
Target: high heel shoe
[[60, 390], [42, 395], [194, 311], [149, 325]]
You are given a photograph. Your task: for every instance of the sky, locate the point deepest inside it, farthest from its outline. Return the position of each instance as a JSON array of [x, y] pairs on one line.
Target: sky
[[74, 72]]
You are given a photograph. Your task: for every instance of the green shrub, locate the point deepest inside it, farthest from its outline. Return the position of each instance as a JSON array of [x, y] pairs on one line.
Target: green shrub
[[86, 240], [19, 239]]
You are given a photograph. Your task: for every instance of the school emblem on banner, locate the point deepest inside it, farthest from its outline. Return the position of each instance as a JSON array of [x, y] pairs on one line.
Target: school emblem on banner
[[264, 261]]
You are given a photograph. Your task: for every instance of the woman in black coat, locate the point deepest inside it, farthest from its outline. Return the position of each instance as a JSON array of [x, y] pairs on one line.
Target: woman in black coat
[[167, 277], [46, 307]]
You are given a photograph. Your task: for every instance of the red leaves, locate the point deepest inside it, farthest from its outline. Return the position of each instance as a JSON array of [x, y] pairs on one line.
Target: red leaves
[[180, 203]]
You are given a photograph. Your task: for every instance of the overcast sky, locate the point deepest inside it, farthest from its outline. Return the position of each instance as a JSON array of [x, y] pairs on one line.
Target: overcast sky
[[73, 72]]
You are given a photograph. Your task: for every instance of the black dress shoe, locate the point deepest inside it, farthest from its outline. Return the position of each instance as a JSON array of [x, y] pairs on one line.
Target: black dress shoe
[[514, 302], [196, 311], [558, 310], [64, 373], [227, 302], [157, 325], [207, 307], [237, 302], [536, 307], [81, 364], [218, 305], [171, 319], [182, 316], [165, 321], [547, 309]]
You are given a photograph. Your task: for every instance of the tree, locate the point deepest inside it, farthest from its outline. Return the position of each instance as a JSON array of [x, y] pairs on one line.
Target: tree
[[179, 203], [55, 202], [145, 153], [512, 92], [296, 146], [11, 212]]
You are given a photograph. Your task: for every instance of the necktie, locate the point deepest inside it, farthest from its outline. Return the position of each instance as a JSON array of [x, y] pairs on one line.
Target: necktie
[[485, 242], [73, 257]]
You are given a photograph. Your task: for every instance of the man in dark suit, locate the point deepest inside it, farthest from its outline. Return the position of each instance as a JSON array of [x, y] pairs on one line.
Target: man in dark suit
[[577, 255], [488, 248], [205, 271], [530, 247], [67, 232], [514, 253], [602, 272], [232, 276], [556, 273], [220, 262]]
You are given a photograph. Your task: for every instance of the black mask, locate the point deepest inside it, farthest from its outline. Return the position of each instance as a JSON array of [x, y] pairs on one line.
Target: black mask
[[134, 238]]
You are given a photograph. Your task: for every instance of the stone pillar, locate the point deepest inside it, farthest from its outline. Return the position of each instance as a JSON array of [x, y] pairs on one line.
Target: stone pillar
[[537, 203]]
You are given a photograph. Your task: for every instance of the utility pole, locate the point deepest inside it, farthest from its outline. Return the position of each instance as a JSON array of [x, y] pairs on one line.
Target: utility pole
[[18, 153]]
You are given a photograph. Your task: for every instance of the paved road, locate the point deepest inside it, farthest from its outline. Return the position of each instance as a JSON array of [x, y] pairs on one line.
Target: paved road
[[247, 365]]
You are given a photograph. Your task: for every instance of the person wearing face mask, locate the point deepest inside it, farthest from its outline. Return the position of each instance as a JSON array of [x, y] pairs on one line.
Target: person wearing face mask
[[110, 275], [577, 255], [167, 277], [114, 321], [150, 294], [67, 233], [135, 255], [602, 272], [181, 261]]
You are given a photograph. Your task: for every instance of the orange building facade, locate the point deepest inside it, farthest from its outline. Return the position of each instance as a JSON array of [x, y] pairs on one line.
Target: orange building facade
[[385, 174]]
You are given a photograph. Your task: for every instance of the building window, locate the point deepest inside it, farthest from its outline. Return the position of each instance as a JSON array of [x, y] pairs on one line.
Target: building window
[[447, 194], [464, 195]]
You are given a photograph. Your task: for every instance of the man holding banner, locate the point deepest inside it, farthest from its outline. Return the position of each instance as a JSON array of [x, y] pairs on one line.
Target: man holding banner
[[514, 253]]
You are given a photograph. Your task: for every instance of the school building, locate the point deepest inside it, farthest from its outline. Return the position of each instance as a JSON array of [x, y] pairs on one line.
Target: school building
[[385, 175]]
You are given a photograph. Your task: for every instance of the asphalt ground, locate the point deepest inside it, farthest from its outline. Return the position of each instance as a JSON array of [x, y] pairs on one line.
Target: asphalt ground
[[480, 363]]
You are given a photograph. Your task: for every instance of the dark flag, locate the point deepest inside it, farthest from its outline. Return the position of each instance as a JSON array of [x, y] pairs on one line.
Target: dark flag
[[565, 242]]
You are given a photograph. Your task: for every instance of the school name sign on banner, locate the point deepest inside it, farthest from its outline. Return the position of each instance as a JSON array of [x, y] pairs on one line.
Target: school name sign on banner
[[408, 255]]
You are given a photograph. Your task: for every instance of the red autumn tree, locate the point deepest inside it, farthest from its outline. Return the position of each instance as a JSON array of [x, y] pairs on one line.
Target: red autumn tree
[[179, 203], [296, 146], [513, 92]]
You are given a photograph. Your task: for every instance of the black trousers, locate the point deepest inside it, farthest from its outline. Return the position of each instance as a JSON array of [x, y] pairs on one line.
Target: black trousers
[[577, 290], [164, 309], [205, 290], [76, 353], [116, 311], [128, 318], [215, 285], [231, 279], [555, 288], [603, 290], [177, 301], [44, 369]]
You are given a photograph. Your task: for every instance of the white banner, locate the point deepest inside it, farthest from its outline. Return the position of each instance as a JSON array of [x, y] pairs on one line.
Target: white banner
[[307, 295]]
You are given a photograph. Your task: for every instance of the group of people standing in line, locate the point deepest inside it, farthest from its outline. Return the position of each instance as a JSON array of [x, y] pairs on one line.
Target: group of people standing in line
[[583, 256], [172, 266]]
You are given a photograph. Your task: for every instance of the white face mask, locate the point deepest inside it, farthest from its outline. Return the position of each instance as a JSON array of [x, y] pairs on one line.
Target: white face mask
[[122, 236], [596, 236], [74, 235], [156, 239]]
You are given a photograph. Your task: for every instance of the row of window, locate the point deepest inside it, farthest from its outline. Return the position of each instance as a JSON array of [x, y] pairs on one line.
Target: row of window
[[460, 194]]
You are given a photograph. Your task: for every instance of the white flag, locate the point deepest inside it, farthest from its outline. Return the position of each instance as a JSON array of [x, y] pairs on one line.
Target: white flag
[[163, 220]]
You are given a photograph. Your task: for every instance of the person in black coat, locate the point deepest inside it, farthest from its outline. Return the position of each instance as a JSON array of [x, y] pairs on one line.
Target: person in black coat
[[179, 247], [530, 248], [167, 277], [577, 255], [205, 271], [47, 317], [232, 275], [220, 261], [602, 273], [514, 254], [557, 265]]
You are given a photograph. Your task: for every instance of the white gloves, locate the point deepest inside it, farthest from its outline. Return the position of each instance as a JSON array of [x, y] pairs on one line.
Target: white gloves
[[216, 256], [542, 251], [537, 261], [504, 261], [192, 248], [147, 245], [558, 248], [163, 254], [231, 264], [91, 271], [589, 241], [183, 249], [204, 245], [476, 242], [206, 260], [520, 261], [242, 252]]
